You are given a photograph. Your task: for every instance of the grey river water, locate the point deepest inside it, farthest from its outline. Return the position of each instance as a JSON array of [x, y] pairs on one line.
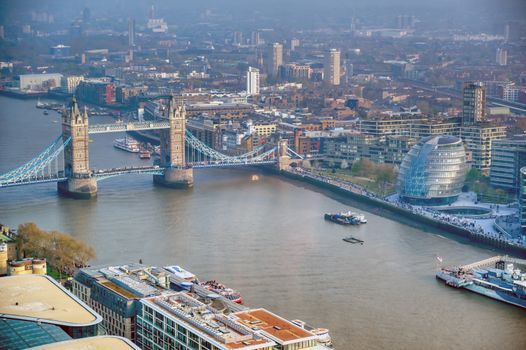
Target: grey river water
[[268, 239]]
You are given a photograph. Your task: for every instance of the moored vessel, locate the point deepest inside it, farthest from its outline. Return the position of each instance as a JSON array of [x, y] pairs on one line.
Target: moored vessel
[[178, 271], [322, 334], [221, 289], [49, 106], [213, 286], [127, 144], [346, 218], [352, 240], [145, 155], [497, 278]]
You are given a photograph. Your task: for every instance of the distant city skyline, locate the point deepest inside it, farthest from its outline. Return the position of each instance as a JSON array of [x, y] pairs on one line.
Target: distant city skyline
[[294, 10], [285, 147]]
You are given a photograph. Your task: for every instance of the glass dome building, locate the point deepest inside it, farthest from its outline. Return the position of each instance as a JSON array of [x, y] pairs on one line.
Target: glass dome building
[[433, 171]]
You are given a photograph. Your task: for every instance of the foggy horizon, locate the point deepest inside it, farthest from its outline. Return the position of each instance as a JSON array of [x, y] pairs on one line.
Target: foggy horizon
[[331, 12]]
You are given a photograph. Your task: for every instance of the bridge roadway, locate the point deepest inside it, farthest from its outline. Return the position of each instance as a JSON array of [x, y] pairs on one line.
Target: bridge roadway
[[102, 174], [156, 170], [219, 164], [34, 181], [122, 127], [106, 173]]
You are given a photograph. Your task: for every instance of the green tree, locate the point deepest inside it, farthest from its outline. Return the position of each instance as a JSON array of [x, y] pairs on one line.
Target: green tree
[[356, 167], [363, 167], [473, 175], [384, 174], [63, 252]]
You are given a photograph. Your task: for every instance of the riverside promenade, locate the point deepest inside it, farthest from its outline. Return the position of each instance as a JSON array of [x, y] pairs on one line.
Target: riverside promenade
[[477, 230]]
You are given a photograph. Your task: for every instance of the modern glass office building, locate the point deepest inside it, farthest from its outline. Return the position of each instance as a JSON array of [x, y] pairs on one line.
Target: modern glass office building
[[433, 172]]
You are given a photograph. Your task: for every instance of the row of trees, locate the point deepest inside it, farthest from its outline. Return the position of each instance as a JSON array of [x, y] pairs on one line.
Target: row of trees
[[480, 184], [382, 177], [62, 252], [381, 173]]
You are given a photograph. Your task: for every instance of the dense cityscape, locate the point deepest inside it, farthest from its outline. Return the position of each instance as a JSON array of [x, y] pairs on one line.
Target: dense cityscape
[[268, 175]]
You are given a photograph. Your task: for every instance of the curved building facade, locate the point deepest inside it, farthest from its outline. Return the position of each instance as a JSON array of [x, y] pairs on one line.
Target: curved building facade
[[433, 171]]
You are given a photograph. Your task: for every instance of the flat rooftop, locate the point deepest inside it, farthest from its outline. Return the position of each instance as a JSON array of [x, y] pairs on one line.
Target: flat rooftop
[[278, 328], [95, 271], [208, 321], [30, 297], [130, 281], [117, 289], [91, 343]]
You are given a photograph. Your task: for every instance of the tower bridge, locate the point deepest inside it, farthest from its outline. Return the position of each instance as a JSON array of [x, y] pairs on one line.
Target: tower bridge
[[181, 152]]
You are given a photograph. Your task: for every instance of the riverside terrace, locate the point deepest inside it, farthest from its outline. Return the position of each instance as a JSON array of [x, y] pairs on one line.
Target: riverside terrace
[[467, 212], [482, 230]]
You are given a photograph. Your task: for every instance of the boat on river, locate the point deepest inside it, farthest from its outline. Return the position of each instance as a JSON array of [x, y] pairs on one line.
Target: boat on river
[[212, 285], [127, 144], [322, 334], [346, 218], [221, 289], [145, 154], [500, 279]]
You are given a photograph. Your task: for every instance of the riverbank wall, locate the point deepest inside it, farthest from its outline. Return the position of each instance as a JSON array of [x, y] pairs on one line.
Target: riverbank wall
[[445, 226], [22, 96]]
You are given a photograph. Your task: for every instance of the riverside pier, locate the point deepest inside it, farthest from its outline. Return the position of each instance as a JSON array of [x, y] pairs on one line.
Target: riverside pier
[[501, 277]]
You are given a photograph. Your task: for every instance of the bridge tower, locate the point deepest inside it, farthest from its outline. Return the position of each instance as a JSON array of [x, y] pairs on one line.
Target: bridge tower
[[80, 184], [284, 160], [176, 174]]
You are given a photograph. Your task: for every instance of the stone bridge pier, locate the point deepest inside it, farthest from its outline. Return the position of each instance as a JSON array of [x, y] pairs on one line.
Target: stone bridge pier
[[176, 174], [284, 159], [80, 184]]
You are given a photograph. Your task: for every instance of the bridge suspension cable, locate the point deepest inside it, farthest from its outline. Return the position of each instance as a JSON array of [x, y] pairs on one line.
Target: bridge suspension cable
[[293, 154], [45, 166], [212, 154], [39, 158], [39, 169]]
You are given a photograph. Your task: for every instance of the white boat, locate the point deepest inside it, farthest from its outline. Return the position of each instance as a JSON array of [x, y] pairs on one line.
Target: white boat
[[182, 273], [361, 218], [356, 218], [322, 334], [127, 144]]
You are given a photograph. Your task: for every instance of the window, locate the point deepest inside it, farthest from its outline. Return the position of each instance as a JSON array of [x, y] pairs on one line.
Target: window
[[192, 344]]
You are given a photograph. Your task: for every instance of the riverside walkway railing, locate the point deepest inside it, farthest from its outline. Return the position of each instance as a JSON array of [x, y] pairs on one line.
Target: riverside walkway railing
[[476, 231]]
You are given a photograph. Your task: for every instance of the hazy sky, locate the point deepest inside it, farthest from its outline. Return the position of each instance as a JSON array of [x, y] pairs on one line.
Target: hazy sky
[[468, 11]]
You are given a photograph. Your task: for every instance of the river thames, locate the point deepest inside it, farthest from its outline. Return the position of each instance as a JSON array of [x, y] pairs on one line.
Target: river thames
[[267, 238]]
